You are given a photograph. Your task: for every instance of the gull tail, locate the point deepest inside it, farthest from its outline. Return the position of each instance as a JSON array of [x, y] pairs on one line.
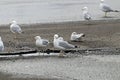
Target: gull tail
[[76, 46]]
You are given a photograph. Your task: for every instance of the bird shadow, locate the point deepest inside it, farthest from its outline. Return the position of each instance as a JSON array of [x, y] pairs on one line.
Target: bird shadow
[[92, 44], [107, 17]]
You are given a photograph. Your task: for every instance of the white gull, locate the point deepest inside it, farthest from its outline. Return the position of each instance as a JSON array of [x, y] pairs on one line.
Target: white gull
[[77, 37], [106, 8], [86, 14], [1, 45]]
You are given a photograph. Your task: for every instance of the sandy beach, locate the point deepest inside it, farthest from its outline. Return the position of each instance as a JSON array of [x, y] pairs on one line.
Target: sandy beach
[[101, 33]]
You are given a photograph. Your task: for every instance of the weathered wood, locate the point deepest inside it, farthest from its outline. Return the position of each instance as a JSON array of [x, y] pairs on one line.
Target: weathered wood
[[97, 51], [19, 52]]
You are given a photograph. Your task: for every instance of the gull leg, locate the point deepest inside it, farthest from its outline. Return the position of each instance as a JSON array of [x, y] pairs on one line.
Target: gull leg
[[105, 14], [9, 49], [15, 41], [61, 54], [38, 50], [43, 50], [15, 36]]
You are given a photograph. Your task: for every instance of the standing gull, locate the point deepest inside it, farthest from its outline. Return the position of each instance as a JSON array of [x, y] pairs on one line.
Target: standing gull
[[77, 37], [41, 43], [106, 8], [1, 45], [15, 28], [59, 43], [86, 14]]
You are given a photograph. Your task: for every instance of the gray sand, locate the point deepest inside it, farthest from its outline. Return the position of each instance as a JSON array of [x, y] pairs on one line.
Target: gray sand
[[94, 67]]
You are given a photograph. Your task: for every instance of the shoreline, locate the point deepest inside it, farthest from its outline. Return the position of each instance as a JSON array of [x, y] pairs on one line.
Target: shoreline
[[83, 22]]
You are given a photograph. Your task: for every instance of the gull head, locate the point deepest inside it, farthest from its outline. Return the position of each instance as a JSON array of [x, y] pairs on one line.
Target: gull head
[[56, 36], [102, 1], [14, 22], [74, 33], [37, 37], [85, 8]]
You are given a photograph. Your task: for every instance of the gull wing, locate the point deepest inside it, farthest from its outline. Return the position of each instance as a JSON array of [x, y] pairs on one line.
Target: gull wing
[[66, 45]]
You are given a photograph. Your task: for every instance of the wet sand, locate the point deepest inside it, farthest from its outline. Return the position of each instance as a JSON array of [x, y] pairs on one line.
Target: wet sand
[[98, 34]]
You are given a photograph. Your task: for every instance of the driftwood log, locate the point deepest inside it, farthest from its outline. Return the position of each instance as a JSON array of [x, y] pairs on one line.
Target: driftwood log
[[96, 51]]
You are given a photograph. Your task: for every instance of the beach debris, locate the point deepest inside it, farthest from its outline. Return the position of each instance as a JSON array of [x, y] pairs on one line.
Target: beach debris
[[77, 37], [1, 45], [86, 14], [20, 52], [88, 51], [61, 44], [72, 52], [106, 8]]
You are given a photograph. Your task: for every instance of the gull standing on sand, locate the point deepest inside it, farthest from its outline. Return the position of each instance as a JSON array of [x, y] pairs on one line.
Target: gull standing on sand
[[59, 43], [1, 45], [106, 8], [86, 14], [15, 28], [41, 42], [77, 37]]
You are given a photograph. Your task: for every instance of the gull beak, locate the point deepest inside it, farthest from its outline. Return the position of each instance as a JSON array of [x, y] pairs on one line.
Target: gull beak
[[83, 35]]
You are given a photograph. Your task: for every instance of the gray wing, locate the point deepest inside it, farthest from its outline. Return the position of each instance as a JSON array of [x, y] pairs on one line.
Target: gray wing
[[107, 8], [87, 16], [16, 29], [66, 45], [1, 46], [45, 42]]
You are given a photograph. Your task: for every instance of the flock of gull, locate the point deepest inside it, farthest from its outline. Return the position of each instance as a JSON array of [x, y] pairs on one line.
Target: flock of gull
[[58, 41]]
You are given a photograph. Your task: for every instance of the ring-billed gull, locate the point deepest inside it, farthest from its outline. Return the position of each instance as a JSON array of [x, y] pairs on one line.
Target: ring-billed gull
[[77, 37], [41, 43], [15, 28], [106, 8], [86, 14], [1, 45], [61, 44]]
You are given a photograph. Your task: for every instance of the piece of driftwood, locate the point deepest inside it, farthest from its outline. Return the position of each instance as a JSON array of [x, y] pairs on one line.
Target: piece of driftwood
[[97, 51], [18, 52]]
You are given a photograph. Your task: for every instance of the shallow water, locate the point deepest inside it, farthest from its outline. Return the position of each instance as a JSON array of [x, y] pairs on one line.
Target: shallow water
[[44, 11]]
